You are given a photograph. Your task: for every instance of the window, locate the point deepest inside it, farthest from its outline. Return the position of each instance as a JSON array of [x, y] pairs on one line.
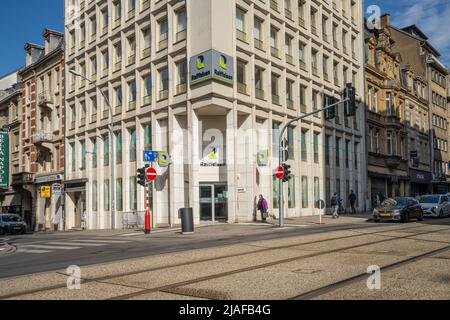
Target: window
[[181, 77], [106, 150], [94, 196], [327, 149], [94, 153], [303, 107], [291, 150], [147, 137], [356, 153], [119, 147], [119, 194], [147, 39], [147, 84], [325, 68], [301, 55], [132, 94], [132, 135], [275, 136], [304, 192], [314, 63], [313, 21], [347, 154], [118, 96], [106, 195], [117, 9], [388, 104], [133, 194], [291, 193], [258, 33], [181, 25], [275, 92], [259, 86], [274, 41], [316, 146], [163, 83], [74, 159], [241, 77], [316, 192], [338, 151], [290, 94], [288, 49], [240, 24], [304, 145], [83, 155], [163, 36]]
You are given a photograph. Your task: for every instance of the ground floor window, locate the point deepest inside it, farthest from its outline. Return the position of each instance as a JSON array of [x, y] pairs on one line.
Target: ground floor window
[[133, 194], [316, 192], [304, 192], [291, 193], [94, 196], [276, 192]]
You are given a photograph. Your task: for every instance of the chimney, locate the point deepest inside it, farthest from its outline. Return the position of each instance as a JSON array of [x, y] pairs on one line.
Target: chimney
[[53, 40], [34, 53], [385, 20]]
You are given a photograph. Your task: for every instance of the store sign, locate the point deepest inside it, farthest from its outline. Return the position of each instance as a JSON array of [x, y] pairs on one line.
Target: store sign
[[56, 189], [209, 65], [263, 158], [48, 179], [4, 160], [46, 192]]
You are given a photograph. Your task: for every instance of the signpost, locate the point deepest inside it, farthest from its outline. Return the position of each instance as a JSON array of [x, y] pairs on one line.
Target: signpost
[[151, 174], [279, 173]]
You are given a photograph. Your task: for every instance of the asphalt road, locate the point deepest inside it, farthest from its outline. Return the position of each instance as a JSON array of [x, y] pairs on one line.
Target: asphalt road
[[46, 252]]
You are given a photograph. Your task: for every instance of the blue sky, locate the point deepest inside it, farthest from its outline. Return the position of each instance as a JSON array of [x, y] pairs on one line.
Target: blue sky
[[22, 21]]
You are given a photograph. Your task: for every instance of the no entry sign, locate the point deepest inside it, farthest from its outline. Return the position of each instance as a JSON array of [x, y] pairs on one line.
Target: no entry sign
[[151, 174], [279, 173]]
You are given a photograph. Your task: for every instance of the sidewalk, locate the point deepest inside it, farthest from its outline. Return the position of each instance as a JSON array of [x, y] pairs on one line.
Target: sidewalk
[[327, 219]]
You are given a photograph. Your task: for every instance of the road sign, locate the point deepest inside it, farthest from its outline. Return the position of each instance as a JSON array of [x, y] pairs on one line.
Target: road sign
[[151, 174], [279, 173], [150, 156], [46, 192]]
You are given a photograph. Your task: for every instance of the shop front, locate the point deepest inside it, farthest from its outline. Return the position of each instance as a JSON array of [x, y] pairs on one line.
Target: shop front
[[420, 182]]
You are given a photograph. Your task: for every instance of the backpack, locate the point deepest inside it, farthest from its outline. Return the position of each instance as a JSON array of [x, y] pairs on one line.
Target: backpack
[[333, 201]]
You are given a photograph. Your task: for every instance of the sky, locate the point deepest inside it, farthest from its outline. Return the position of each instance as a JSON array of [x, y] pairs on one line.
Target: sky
[[22, 21]]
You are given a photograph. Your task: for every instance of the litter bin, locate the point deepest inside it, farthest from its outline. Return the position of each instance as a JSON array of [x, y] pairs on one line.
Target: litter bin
[[187, 220]]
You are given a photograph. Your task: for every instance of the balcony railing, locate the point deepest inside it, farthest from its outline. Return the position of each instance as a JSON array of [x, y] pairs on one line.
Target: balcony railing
[[131, 14], [105, 114], [131, 59], [242, 88], [274, 5], [303, 108], [181, 88], [117, 66], [83, 122], [117, 110], [131, 105], [260, 94], [259, 44], [163, 43], [145, 5], [45, 99], [290, 103], [147, 100], [146, 52], [302, 65], [315, 71], [22, 178], [94, 118], [241, 35], [163, 95], [181, 35], [275, 52], [301, 22], [276, 99], [314, 30], [42, 136], [289, 59]]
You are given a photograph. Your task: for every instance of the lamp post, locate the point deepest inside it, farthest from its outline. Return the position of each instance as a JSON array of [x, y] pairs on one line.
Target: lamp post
[[112, 165]]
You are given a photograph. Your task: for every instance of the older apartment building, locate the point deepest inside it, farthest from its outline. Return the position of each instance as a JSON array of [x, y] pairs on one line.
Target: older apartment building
[[41, 169], [10, 103], [418, 53], [210, 82]]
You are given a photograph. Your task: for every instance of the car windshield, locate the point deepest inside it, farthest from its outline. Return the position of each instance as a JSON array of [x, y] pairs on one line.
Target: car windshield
[[429, 199], [394, 202], [11, 218]]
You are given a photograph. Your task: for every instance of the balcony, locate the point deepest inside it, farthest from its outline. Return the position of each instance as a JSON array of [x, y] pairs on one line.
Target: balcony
[[105, 114], [274, 5], [242, 88], [301, 22], [42, 137], [117, 66], [275, 52], [45, 99], [163, 95], [163, 43], [303, 108], [92, 37], [181, 88], [94, 118], [276, 99], [290, 103], [241, 35], [23, 178], [94, 77], [131, 105], [260, 94], [288, 13], [83, 122], [315, 71], [131, 59], [147, 100], [145, 5], [314, 30], [302, 65], [181, 35], [392, 162], [146, 53], [104, 30], [131, 14], [117, 110], [259, 44]]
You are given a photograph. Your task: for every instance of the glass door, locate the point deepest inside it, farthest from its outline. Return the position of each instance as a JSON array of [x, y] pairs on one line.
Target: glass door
[[213, 203]]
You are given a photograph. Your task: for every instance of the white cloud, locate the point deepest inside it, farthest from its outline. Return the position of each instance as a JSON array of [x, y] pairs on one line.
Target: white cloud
[[432, 17]]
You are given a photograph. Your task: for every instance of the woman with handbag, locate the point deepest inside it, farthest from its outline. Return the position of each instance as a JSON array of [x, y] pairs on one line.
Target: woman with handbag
[[263, 207]]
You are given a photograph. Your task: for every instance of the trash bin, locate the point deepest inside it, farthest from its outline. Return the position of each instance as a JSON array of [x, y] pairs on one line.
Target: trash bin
[[187, 220]]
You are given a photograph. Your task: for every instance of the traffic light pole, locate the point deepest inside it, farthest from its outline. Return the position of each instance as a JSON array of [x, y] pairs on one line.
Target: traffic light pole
[[280, 156]]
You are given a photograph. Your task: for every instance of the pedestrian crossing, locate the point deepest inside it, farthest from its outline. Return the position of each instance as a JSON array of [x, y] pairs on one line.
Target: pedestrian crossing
[[66, 245]]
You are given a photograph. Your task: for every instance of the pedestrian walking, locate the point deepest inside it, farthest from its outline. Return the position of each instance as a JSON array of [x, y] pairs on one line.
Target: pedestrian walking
[[335, 204], [352, 199], [83, 221], [263, 207]]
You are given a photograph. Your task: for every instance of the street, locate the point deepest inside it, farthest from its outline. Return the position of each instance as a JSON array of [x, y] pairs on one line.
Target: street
[[244, 261]]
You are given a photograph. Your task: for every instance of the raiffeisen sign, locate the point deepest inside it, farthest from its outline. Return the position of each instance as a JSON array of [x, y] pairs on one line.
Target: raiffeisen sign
[[211, 64]]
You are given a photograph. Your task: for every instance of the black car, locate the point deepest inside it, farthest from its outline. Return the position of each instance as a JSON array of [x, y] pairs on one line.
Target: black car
[[12, 223], [398, 209]]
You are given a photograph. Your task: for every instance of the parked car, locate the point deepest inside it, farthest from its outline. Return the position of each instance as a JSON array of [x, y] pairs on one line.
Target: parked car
[[12, 223], [398, 209], [435, 205]]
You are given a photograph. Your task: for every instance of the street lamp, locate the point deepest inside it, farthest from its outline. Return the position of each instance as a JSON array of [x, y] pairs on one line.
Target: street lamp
[[112, 165]]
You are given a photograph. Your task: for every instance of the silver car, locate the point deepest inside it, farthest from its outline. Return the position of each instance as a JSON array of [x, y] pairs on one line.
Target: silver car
[[12, 223], [435, 205]]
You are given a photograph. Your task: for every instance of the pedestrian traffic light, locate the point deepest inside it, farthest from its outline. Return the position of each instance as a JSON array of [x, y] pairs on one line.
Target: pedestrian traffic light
[[330, 113], [287, 172], [141, 176], [350, 101]]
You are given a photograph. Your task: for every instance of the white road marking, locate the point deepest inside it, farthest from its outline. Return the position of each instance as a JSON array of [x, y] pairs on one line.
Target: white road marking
[[38, 246], [32, 251], [77, 244], [103, 241]]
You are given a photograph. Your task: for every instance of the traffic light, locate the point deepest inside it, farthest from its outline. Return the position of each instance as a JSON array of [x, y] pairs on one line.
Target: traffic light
[[350, 104], [287, 172], [330, 113], [141, 176]]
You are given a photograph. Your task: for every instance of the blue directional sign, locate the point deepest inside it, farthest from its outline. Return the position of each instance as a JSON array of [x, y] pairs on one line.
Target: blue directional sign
[[150, 156]]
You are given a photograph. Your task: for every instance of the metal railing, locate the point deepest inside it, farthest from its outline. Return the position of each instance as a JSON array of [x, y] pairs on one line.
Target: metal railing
[[133, 220]]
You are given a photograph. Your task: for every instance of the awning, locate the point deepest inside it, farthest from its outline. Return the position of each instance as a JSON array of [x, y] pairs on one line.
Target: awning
[[9, 200]]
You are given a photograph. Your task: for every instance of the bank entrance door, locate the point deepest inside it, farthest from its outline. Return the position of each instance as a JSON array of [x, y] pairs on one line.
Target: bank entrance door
[[213, 202]]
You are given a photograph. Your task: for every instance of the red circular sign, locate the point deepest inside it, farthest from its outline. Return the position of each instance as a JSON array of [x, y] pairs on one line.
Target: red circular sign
[[279, 173], [151, 174]]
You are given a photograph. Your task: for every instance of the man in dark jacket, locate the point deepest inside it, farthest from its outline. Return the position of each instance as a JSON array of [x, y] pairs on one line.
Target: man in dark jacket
[[263, 207], [352, 199]]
